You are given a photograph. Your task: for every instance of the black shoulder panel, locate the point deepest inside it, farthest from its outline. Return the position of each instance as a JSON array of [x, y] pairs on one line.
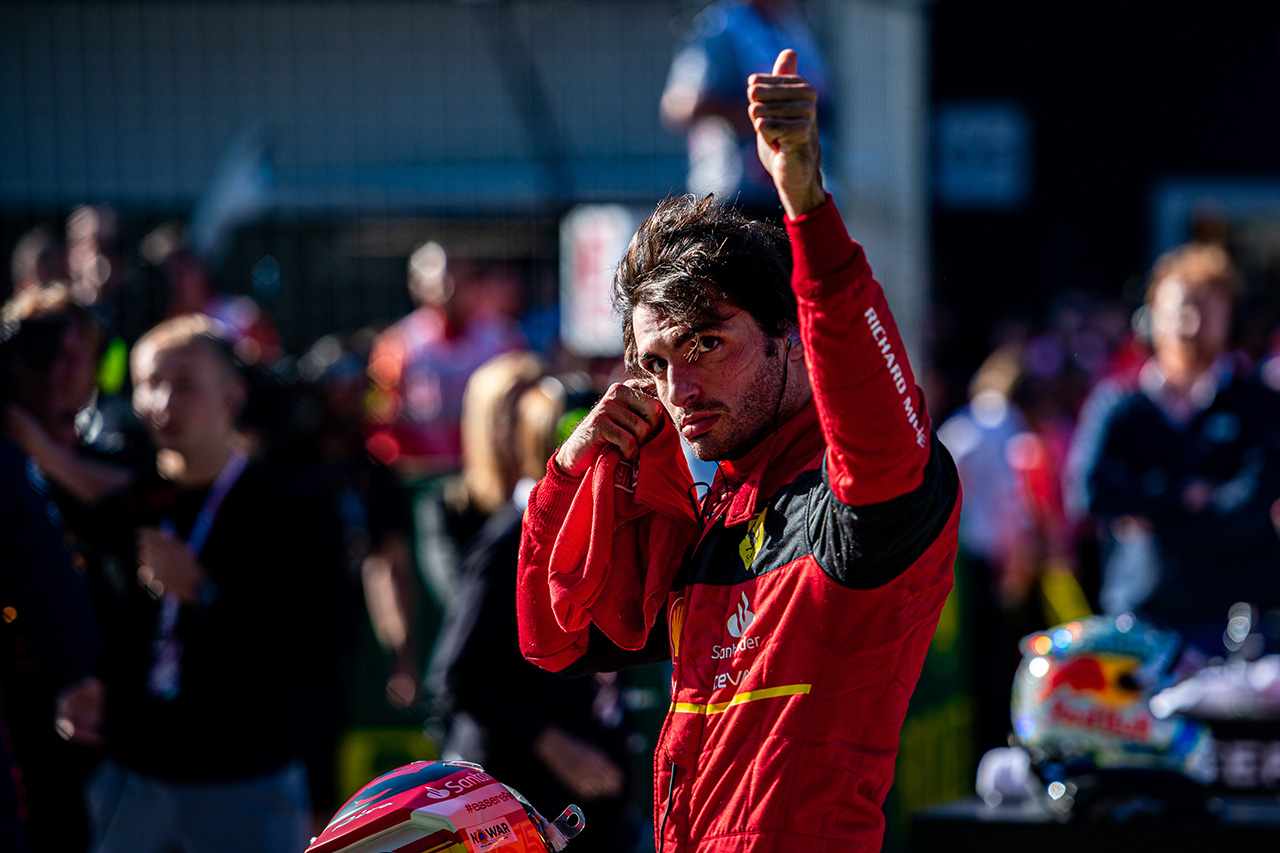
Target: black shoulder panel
[[864, 547]]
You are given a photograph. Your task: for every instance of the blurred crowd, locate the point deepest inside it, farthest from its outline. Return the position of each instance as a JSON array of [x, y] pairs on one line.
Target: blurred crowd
[[203, 535], [200, 530], [207, 529], [1122, 459]]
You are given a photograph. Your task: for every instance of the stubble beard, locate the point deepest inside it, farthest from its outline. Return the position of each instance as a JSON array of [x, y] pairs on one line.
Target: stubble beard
[[753, 419]]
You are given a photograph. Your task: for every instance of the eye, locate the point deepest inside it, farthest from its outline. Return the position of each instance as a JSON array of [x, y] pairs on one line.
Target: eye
[[700, 346], [654, 366]]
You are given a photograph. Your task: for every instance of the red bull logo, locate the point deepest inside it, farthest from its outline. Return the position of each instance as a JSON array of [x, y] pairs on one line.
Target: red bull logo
[[1103, 677], [1080, 674]]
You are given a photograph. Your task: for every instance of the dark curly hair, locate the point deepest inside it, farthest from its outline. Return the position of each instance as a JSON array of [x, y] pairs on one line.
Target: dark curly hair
[[692, 256]]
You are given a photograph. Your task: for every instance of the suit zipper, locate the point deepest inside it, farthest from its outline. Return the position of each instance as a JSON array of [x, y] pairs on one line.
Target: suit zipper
[[671, 798]]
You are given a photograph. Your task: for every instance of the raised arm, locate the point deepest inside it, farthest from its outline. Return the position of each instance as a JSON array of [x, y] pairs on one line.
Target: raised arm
[[872, 413]]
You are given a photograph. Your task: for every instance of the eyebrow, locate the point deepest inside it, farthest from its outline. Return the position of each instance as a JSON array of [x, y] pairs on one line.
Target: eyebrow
[[686, 337]]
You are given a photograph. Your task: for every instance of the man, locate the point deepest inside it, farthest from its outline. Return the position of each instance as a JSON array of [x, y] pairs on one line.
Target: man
[[208, 652], [1182, 465], [704, 97], [374, 627], [420, 365], [47, 350], [52, 372], [52, 412], [48, 636], [807, 596]]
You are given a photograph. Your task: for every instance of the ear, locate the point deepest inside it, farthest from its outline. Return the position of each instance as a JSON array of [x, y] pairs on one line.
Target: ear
[[795, 349]]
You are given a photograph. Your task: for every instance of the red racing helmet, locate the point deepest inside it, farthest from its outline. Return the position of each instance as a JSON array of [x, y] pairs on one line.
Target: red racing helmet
[[443, 807]]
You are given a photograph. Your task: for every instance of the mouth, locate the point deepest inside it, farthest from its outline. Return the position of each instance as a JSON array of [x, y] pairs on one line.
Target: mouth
[[697, 424]]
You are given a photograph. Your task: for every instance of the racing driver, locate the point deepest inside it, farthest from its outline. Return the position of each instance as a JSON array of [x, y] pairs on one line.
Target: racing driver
[[800, 604]]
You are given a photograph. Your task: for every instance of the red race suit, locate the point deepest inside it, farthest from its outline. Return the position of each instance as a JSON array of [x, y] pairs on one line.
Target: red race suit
[[799, 617]]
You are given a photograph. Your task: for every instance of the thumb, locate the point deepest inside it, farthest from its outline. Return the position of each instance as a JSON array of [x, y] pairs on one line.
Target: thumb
[[786, 63]]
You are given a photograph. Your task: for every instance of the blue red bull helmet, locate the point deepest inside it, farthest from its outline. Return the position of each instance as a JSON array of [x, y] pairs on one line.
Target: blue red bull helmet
[[443, 807], [1081, 694]]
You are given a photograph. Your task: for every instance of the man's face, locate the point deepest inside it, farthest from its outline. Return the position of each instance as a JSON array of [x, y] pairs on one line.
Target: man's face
[[722, 385], [186, 398], [1190, 327]]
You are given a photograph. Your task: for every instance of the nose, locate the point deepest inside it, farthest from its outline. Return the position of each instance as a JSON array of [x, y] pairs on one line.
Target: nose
[[683, 384], [1188, 321]]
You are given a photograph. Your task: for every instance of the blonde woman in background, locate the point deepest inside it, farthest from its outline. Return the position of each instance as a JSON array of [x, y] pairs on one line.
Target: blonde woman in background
[[553, 738]]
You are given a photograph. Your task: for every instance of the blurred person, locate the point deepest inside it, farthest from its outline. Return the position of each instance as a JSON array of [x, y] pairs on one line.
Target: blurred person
[[378, 588], [420, 365], [54, 351], [1013, 535], [705, 94], [250, 330], [95, 266], [996, 524], [1181, 465], [451, 516], [377, 523], [96, 275], [209, 652], [252, 333], [564, 739], [48, 635], [997, 536], [51, 411], [798, 601], [37, 260]]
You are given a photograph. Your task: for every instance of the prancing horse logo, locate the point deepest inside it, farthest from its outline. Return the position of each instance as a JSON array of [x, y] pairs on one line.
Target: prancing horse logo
[[753, 541]]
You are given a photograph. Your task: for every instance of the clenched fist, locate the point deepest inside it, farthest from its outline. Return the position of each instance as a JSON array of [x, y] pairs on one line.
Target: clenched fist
[[627, 416]]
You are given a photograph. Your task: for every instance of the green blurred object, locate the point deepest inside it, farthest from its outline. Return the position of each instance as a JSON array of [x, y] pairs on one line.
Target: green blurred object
[[113, 367], [568, 421], [366, 753]]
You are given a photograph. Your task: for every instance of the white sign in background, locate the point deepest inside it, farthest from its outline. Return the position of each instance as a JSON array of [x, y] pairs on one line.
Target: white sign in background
[[592, 240]]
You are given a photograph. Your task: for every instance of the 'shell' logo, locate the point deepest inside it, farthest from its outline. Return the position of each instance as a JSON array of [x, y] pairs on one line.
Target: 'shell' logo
[[675, 625]]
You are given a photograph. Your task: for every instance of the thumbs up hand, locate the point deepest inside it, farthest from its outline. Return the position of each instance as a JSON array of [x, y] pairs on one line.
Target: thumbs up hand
[[784, 111]]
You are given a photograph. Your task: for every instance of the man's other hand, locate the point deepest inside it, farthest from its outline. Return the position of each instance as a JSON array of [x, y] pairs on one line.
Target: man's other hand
[[582, 767], [78, 712], [626, 417], [167, 566], [784, 111]]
